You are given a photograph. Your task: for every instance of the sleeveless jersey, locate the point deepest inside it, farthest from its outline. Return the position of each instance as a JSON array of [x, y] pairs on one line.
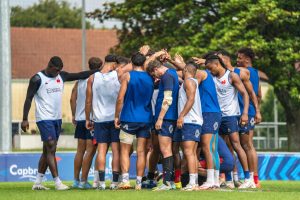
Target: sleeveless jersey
[[172, 113], [208, 94], [137, 102], [106, 88], [80, 101], [227, 96], [194, 116], [48, 99]]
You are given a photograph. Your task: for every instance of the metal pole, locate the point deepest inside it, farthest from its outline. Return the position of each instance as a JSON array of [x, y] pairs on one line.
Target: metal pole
[[83, 27], [276, 123], [5, 78]]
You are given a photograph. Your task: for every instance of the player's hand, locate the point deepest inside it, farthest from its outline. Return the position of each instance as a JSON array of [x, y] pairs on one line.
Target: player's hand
[[199, 61], [117, 123], [179, 59], [158, 124], [25, 125], [144, 49], [74, 121], [244, 120], [258, 117], [89, 125], [180, 122]]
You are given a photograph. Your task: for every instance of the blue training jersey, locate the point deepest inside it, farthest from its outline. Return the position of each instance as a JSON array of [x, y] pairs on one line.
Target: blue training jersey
[[208, 95], [137, 102], [254, 79], [168, 82]]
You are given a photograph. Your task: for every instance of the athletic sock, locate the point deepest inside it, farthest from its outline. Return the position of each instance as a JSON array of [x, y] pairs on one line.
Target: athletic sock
[[228, 176], [96, 176], [177, 175], [101, 175], [150, 175], [168, 164], [216, 177], [57, 180], [247, 174], [184, 179], [139, 180], [235, 176], [125, 177], [39, 178], [210, 176], [256, 180], [192, 179], [251, 176], [115, 176]]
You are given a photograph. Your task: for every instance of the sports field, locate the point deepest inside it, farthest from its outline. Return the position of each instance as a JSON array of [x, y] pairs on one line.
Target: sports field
[[272, 190]]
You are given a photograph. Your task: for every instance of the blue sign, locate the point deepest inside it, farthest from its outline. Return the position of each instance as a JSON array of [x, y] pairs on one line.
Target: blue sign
[[23, 166]]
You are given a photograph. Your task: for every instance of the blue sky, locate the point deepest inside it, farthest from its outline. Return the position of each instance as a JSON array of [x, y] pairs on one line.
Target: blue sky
[[90, 6]]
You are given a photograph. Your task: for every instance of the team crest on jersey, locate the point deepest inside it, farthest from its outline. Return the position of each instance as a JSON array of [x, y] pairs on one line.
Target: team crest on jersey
[[223, 82], [171, 128], [57, 80], [125, 126], [197, 133], [252, 121], [216, 126]]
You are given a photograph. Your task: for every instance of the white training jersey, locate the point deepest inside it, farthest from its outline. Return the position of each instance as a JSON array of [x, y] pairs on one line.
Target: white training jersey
[[48, 98], [227, 95], [194, 116], [80, 101], [106, 88], [153, 100]]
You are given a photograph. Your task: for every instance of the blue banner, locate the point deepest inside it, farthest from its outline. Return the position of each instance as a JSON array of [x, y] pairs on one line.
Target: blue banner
[[23, 166]]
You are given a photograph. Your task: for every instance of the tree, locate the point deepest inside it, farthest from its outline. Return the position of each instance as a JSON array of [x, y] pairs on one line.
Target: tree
[[49, 14], [193, 27]]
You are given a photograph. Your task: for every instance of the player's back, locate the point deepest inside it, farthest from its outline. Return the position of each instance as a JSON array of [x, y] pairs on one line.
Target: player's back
[[137, 102]]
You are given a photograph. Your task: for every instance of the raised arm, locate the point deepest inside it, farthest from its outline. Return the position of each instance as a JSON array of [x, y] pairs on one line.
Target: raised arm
[[66, 76], [73, 102], [237, 83], [120, 100], [88, 103], [33, 87], [190, 89]]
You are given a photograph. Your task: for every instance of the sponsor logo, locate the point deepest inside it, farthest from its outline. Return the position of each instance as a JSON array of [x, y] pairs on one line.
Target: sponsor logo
[[252, 121], [53, 90], [197, 133], [216, 126], [25, 173], [171, 128], [125, 126]]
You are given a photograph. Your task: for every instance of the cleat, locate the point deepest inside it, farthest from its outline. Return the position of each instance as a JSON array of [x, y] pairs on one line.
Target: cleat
[[247, 184], [190, 187], [138, 187], [173, 186], [238, 183], [95, 185], [228, 185], [163, 187], [85, 185], [113, 186], [61, 186], [75, 184], [178, 185], [101, 186], [39, 187], [149, 184], [124, 185], [206, 186]]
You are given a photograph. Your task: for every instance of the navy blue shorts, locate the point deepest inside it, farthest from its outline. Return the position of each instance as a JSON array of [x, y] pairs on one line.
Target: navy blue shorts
[[229, 125], [105, 132], [140, 130], [167, 129], [49, 129], [211, 122], [189, 132], [81, 132], [250, 126]]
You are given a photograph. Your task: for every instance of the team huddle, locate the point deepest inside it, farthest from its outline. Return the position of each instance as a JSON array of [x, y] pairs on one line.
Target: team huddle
[[204, 107]]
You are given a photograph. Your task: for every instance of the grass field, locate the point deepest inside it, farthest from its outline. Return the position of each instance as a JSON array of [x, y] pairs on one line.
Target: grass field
[[272, 190]]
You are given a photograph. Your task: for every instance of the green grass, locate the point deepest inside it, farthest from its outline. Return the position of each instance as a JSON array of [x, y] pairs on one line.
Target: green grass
[[272, 190]]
